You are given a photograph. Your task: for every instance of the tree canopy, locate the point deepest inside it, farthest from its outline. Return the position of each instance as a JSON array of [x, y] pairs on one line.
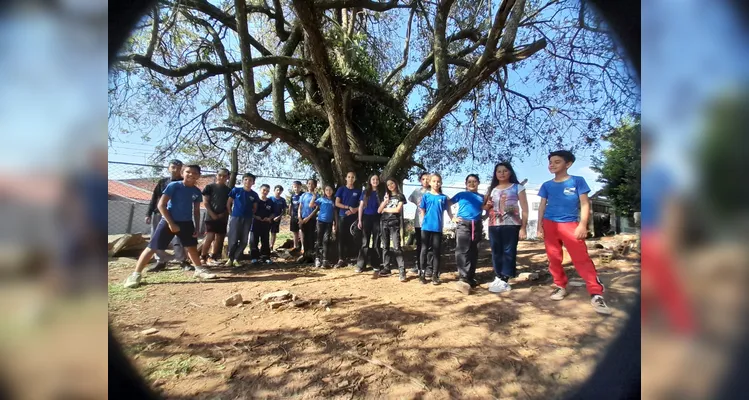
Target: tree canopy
[[362, 85], [619, 167]]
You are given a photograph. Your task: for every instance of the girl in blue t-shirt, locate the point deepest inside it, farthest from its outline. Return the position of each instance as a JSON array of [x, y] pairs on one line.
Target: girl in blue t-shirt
[[369, 223], [433, 205], [468, 233], [327, 219]]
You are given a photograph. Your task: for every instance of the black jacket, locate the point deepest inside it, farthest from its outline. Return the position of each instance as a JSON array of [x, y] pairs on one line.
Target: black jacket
[[157, 192]]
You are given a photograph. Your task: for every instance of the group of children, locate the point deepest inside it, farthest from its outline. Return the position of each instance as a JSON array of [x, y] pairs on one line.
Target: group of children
[[318, 220]]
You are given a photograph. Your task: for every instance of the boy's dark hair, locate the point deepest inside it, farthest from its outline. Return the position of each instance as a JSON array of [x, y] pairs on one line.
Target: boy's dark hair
[[421, 175], [248, 175], [297, 183], [278, 187], [475, 176], [313, 181], [565, 154], [194, 166], [265, 185], [220, 170]]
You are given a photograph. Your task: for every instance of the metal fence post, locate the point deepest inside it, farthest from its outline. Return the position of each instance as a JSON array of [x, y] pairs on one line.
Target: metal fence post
[[129, 229]]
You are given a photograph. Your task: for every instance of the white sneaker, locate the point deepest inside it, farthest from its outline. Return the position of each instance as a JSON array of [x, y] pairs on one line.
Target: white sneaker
[[599, 305], [499, 286], [268, 262], [229, 263], [201, 273], [318, 264], [236, 264], [132, 281], [558, 294]]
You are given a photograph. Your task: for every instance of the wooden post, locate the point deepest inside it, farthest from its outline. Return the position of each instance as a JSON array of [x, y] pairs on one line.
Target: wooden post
[[129, 228]]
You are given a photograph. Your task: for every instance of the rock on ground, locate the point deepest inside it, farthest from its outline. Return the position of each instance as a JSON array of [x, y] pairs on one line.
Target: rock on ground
[[233, 300], [277, 296]]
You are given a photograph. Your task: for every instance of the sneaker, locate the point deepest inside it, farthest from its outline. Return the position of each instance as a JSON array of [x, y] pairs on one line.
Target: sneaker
[[132, 281], [318, 264], [187, 267], [326, 264], [436, 280], [268, 261], [212, 261], [342, 264], [236, 264], [254, 261], [599, 305], [558, 294], [229, 263], [415, 270], [423, 279], [358, 269], [463, 287], [428, 275], [201, 273], [384, 272], [473, 283], [499, 286], [204, 259], [402, 275], [159, 266]]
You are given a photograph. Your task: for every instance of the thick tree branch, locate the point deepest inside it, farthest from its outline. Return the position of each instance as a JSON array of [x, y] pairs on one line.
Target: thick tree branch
[[280, 22], [511, 27], [210, 68], [500, 18], [440, 45], [154, 32], [279, 76], [366, 4]]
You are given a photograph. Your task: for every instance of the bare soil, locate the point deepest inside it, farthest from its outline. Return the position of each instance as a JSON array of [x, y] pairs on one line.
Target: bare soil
[[379, 338]]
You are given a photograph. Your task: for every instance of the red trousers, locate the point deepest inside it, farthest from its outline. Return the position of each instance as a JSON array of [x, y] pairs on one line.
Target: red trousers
[[660, 283], [557, 234]]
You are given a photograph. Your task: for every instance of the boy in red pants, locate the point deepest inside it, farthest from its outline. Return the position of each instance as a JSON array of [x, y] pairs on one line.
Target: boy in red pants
[[564, 212]]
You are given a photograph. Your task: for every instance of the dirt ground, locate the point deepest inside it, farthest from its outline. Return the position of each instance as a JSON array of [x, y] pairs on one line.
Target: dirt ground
[[379, 338]]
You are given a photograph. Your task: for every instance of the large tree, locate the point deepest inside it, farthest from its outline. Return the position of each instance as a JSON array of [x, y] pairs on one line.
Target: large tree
[[367, 85], [619, 166]]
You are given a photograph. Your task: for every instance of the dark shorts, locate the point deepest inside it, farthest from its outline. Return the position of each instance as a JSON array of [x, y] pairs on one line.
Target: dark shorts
[[162, 236], [217, 226], [294, 225], [275, 226]]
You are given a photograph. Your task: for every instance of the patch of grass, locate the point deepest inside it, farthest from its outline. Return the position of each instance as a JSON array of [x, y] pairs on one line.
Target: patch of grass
[[169, 276], [175, 366], [281, 237], [118, 294]]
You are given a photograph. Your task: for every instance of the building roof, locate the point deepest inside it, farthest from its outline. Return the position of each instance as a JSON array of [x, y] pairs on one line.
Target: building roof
[[140, 189]]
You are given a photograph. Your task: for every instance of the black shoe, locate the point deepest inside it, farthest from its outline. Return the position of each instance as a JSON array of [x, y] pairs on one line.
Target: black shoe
[[415, 270], [160, 266], [342, 264], [473, 283], [402, 275], [428, 275], [422, 279], [358, 269], [436, 280], [384, 272]]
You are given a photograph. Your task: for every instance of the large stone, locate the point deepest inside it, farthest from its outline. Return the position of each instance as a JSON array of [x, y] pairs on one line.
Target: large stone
[[527, 276], [233, 300], [277, 296], [278, 304], [117, 244], [326, 302]]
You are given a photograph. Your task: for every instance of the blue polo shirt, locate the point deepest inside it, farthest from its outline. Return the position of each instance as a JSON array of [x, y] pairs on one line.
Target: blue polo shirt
[[243, 202], [372, 205], [469, 205], [305, 199], [563, 198], [349, 197], [295, 204], [181, 200], [327, 208], [279, 205], [434, 205]]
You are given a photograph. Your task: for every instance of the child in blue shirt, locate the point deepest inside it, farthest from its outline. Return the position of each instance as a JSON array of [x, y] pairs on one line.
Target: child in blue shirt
[[327, 219], [180, 210], [433, 204], [261, 225], [279, 207], [369, 223], [564, 212], [468, 233], [242, 203], [296, 194], [347, 200], [307, 221]]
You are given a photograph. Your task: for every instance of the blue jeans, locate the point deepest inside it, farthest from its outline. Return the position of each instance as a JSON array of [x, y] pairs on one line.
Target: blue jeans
[[504, 243]]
